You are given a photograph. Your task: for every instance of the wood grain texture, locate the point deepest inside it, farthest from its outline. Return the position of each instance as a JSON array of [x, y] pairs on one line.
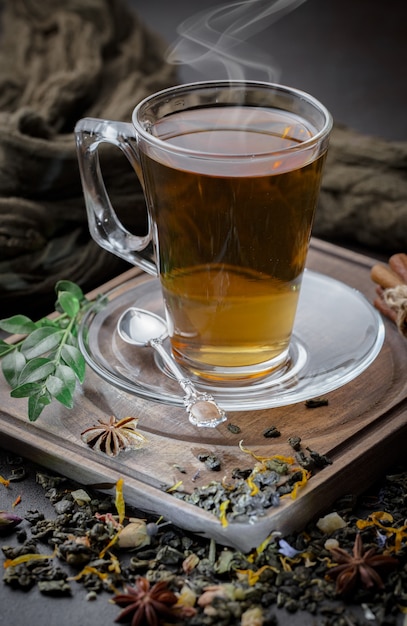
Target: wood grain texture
[[362, 429]]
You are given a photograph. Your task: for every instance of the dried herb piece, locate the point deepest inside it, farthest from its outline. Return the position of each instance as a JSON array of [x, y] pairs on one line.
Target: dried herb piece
[[295, 442], [17, 501], [271, 432], [238, 472], [17, 474], [314, 460], [216, 584], [114, 436], [305, 461], [314, 403], [143, 604], [234, 429], [180, 468], [4, 481], [360, 566], [320, 460], [391, 292], [212, 462], [56, 588], [252, 492], [384, 521], [8, 522]]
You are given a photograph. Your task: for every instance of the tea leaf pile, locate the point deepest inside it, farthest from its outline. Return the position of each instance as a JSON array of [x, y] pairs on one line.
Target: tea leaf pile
[[46, 363], [89, 546]]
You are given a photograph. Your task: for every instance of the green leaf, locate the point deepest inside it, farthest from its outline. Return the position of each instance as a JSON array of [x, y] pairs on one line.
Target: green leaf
[[54, 385], [54, 322], [18, 325], [71, 340], [26, 390], [47, 363], [36, 404], [36, 370], [12, 366], [5, 347], [41, 341], [69, 303], [66, 374], [60, 391], [72, 288], [73, 357]]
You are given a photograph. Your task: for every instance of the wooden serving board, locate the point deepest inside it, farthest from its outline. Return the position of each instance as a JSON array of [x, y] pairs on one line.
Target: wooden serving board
[[363, 429]]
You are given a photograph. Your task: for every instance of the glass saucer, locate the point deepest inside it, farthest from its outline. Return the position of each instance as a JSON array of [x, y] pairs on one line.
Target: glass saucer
[[337, 335]]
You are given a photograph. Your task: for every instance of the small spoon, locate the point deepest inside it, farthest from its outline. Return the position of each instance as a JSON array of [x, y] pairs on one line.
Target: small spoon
[[143, 328]]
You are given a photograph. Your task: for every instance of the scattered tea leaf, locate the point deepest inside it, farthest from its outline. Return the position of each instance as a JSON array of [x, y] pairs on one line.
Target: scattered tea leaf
[[4, 481], [25, 558], [271, 432], [234, 428], [314, 403]]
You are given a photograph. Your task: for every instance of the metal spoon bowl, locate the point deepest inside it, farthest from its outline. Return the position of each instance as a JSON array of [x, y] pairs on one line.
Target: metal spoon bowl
[[145, 329]]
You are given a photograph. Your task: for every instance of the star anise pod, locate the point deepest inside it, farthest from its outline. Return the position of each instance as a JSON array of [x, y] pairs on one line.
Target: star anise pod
[[111, 437], [145, 605], [360, 566]]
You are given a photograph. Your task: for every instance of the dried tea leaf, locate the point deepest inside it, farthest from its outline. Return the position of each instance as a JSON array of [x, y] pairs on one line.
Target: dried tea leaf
[[119, 501]]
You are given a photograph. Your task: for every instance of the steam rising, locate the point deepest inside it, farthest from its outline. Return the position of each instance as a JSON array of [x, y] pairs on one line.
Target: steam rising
[[215, 43]]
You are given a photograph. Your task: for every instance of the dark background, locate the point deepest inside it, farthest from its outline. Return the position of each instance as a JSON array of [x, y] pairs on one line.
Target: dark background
[[350, 54]]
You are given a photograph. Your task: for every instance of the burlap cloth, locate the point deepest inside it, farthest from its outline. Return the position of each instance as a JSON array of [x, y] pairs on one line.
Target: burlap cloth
[[61, 60], [363, 199]]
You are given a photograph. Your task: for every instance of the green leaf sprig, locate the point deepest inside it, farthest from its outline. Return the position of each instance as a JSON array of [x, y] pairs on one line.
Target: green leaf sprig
[[47, 363]]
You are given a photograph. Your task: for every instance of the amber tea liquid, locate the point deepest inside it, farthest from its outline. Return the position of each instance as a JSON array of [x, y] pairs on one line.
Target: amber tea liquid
[[232, 233]]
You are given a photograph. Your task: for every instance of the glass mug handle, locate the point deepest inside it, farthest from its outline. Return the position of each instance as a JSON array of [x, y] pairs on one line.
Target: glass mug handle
[[104, 225]]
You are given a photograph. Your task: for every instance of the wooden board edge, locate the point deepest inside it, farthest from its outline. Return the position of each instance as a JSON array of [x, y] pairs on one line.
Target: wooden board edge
[[351, 472]]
